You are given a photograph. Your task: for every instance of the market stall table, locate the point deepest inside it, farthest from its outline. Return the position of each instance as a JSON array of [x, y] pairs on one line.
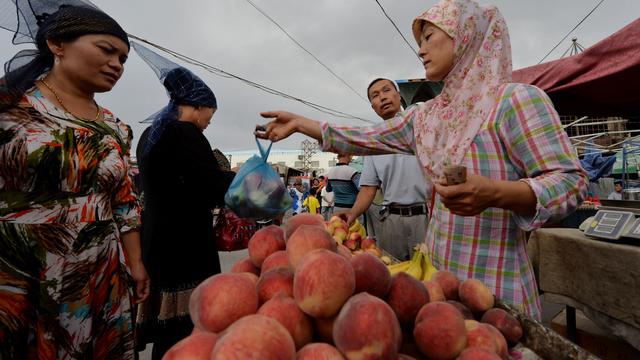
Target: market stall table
[[601, 278]]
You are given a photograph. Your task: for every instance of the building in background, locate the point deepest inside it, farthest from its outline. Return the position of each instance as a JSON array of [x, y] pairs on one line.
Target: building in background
[[320, 162]]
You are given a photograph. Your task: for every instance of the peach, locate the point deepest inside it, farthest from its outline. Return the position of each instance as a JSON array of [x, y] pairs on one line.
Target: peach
[[306, 239], [256, 337], [503, 348], [449, 283], [356, 238], [265, 242], [367, 243], [367, 328], [375, 251], [251, 276], [197, 346], [319, 351], [466, 313], [372, 275], [475, 295], [323, 329], [278, 259], [245, 265], [285, 310], [340, 235], [435, 291], [323, 282], [274, 281], [337, 223], [302, 219], [508, 325], [351, 244], [222, 299], [439, 331], [477, 354], [406, 297], [479, 335], [344, 251]]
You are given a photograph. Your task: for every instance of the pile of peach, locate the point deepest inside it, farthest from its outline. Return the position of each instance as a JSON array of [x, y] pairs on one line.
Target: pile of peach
[[297, 297], [354, 238]]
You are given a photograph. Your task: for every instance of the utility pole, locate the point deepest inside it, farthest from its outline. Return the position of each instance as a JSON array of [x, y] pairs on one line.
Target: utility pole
[[309, 148]]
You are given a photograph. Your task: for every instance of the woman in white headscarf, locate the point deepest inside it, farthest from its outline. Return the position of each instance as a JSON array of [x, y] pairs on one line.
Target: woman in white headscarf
[[522, 169]]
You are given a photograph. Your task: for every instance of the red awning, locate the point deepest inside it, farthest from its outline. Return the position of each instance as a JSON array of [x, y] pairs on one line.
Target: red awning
[[603, 80]]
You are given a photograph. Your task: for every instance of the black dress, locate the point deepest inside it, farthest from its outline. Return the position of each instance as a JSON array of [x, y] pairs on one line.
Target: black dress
[[182, 183]]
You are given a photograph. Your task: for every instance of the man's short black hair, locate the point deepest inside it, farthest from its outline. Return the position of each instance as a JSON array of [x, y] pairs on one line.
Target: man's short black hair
[[312, 191], [380, 79]]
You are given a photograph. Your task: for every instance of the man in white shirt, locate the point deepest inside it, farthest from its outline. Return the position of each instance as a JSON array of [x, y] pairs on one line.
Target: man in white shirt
[[404, 213]]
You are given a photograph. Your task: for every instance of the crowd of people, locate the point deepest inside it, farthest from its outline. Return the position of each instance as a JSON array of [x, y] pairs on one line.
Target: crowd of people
[[84, 264]]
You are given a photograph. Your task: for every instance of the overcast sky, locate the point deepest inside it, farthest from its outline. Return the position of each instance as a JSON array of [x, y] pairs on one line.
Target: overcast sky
[[352, 37]]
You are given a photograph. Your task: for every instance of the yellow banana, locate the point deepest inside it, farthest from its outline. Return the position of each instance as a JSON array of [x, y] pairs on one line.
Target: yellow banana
[[396, 268], [427, 267], [415, 269]]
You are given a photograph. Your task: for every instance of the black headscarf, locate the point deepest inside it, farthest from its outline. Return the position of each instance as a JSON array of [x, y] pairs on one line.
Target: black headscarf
[[183, 88], [39, 21]]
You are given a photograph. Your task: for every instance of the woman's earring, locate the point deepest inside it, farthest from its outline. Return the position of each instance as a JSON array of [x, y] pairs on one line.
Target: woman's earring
[[57, 58]]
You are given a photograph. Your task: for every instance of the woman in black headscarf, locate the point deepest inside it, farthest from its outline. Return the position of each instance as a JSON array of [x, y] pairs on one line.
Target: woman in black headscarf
[[182, 183], [67, 206]]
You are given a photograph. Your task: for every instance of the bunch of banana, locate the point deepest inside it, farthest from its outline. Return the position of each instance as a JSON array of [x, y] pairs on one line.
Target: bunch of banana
[[412, 267], [420, 267], [427, 267]]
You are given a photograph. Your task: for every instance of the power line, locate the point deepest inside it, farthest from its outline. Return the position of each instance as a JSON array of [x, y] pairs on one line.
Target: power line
[[305, 50], [570, 31], [222, 73], [398, 30]]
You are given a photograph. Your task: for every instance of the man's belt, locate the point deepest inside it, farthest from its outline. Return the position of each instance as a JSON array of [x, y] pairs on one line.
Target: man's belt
[[409, 210]]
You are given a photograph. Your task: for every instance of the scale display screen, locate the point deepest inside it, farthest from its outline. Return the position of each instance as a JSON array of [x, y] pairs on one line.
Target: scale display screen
[[634, 231], [610, 224]]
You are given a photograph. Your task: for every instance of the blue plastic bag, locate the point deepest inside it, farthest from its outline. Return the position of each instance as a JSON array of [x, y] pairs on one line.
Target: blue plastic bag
[[257, 192]]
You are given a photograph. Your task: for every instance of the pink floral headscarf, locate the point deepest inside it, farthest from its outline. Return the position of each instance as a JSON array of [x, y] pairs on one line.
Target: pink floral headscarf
[[482, 64]]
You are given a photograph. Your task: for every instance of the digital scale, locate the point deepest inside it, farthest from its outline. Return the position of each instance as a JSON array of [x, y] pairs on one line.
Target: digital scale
[[612, 225]]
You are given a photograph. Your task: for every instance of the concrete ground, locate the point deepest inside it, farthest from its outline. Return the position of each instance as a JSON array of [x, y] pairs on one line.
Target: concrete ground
[[227, 259]]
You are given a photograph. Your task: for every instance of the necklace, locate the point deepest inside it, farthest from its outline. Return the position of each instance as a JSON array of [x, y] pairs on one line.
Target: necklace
[[55, 94]]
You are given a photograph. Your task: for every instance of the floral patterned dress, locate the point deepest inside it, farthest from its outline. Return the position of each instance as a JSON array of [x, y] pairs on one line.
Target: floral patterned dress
[[65, 198]]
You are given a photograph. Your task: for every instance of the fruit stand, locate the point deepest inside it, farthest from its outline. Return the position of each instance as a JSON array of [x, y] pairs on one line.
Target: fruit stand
[[312, 289]]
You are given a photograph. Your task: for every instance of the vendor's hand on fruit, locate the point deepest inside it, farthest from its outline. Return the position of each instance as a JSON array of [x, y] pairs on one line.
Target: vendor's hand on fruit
[[351, 217], [283, 124], [470, 198]]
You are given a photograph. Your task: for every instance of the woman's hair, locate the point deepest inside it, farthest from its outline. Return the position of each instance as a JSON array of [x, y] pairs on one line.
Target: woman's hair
[[65, 25]]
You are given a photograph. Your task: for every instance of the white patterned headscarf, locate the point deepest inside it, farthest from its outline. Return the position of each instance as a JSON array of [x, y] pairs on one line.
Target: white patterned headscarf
[[482, 64]]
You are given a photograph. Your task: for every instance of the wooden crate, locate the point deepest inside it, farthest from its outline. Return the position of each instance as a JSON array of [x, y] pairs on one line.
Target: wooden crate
[[545, 342]]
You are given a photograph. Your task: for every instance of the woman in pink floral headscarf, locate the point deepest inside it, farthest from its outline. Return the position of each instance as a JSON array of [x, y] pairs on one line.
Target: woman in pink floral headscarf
[[522, 170]]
